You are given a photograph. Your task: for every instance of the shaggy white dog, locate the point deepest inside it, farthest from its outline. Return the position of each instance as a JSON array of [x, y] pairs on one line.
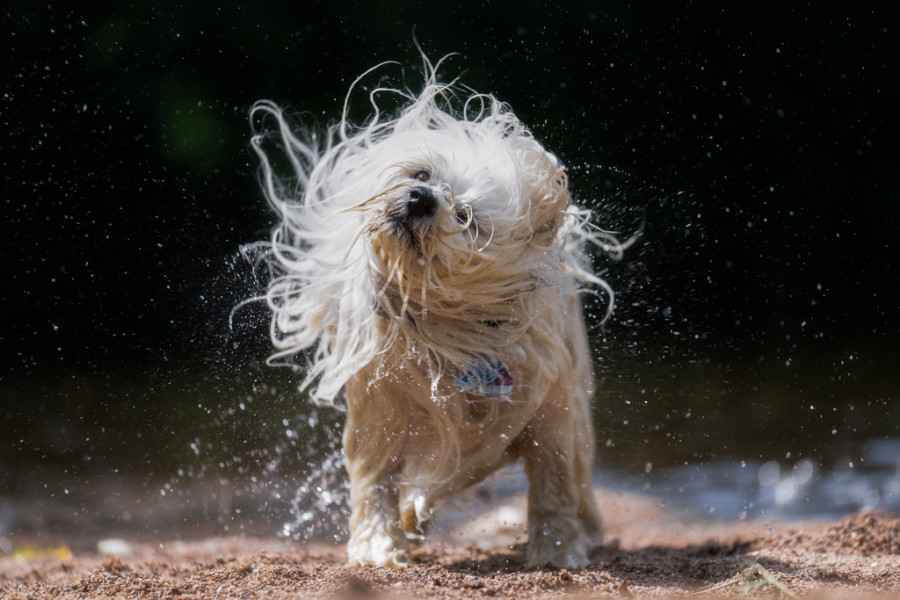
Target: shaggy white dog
[[428, 265]]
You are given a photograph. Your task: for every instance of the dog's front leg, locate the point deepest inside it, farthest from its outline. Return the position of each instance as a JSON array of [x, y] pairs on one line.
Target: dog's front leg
[[376, 537], [556, 534], [373, 437]]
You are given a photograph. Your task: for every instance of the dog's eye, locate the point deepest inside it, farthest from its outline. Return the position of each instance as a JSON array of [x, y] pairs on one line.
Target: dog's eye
[[422, 176]]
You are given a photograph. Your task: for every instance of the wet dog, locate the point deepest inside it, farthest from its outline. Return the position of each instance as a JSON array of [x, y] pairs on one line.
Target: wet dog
[[428, 266]]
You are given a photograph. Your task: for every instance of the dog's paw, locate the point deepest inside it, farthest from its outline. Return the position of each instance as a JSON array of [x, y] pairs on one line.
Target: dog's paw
[[561, 551], [395, 559], [379, 549], [566, 556]]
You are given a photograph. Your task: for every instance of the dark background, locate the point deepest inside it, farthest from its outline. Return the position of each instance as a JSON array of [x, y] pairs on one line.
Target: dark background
[[756, 318]]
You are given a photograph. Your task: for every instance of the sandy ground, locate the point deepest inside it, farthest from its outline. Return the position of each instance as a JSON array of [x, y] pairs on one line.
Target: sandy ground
[[654, 552]]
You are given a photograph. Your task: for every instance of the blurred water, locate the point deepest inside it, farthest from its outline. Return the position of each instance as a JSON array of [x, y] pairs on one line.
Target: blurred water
[[314, 506], [786, 488]]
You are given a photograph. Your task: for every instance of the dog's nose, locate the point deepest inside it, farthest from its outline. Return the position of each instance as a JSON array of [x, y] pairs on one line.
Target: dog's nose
[[421, 202]]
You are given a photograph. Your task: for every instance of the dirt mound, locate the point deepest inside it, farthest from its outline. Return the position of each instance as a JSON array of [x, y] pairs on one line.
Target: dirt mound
[[866, 534]]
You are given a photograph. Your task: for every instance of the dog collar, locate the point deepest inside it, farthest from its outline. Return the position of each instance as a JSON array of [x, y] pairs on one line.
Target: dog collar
[[487, 378]]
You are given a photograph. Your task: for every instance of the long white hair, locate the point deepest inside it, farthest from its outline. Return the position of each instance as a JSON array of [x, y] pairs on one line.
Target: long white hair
[[330, 284]]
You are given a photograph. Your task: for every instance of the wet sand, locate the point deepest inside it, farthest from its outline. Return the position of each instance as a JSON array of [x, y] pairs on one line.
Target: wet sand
[[653, 552]]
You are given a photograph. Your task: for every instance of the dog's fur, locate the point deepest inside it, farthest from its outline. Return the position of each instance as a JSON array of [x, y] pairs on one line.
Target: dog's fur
[[428, 265]]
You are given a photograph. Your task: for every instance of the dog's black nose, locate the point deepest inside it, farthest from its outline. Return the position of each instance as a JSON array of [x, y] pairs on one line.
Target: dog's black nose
[[421, 202]]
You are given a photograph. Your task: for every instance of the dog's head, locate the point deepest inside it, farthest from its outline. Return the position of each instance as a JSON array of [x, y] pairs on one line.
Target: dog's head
[[437, 228], [463, 211], [460, 184]]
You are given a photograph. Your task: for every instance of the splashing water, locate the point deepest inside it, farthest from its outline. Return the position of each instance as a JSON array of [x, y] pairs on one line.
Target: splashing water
[[321, 504]]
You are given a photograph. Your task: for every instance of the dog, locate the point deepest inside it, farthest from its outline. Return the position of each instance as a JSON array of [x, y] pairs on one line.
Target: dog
[[428, 267]]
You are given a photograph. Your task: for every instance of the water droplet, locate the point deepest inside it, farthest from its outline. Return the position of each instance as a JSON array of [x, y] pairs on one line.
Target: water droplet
[[769, 473], [803, 471]]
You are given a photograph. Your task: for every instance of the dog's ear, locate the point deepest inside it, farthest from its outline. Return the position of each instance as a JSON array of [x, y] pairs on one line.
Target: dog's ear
[[548, 194]]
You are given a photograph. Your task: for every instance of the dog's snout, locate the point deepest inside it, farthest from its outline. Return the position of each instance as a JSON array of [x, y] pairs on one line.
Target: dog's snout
[[421, 202]]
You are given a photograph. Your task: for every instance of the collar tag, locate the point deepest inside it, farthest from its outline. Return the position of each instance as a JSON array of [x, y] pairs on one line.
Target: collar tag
[[491, 379]]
